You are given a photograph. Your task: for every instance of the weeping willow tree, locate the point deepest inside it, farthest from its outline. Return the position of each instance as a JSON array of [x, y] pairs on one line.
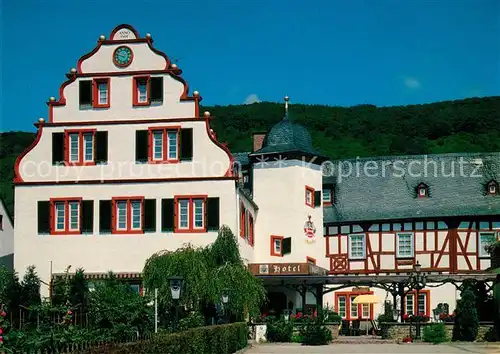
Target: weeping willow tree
[[207, 272]]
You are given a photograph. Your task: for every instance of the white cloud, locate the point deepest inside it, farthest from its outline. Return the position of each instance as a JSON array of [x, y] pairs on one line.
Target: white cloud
[[412, 83], [252, 98]]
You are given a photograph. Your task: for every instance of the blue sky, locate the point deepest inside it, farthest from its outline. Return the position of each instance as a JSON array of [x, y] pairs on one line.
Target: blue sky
[[318, 52]]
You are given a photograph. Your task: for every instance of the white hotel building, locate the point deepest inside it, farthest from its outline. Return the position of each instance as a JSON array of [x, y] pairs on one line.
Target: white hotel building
[[126, 165]]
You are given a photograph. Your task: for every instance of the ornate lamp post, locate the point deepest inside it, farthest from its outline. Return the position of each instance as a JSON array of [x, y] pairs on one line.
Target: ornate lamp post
[[417, 281], [176, 288]]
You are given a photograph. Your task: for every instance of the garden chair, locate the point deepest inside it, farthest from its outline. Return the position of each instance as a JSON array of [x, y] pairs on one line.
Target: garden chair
[[344, 328], [355, 331]]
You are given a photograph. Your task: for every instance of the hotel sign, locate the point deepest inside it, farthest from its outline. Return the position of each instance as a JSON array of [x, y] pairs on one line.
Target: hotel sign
[[285, 269], [282, 268]]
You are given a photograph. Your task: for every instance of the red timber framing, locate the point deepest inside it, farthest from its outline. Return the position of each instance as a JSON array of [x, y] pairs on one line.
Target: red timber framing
[[450, 246], [346, 298]]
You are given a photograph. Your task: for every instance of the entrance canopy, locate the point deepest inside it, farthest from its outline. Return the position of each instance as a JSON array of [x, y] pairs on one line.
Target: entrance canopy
[[310, 274]]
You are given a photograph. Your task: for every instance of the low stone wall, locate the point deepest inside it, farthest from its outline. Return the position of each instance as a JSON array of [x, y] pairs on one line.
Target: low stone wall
[[398, 331], [258, 331]]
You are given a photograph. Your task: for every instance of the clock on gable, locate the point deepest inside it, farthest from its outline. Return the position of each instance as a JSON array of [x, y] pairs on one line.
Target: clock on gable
[[122, 56]]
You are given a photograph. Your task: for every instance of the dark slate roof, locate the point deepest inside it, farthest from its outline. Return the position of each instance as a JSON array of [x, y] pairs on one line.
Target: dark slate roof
[[287, 136], [248, 195], [242, 158], [389, 192]]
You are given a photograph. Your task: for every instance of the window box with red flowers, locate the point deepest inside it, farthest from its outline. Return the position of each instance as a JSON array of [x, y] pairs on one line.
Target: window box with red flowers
[[446, 317], [416, 318]]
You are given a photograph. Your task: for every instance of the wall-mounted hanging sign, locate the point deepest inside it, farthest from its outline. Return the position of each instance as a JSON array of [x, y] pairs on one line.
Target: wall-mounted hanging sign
[[309, 230]]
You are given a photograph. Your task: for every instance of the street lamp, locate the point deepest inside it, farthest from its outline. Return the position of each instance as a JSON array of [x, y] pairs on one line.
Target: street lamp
[[176, 288], [418, 280], [225, 301], [395, 314]]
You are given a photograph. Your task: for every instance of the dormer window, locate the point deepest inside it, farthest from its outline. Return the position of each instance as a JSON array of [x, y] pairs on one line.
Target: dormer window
[[493, 188], [327, 194], [422, 190]]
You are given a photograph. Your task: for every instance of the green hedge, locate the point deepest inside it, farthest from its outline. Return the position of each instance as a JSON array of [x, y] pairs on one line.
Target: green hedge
[[220, 339]]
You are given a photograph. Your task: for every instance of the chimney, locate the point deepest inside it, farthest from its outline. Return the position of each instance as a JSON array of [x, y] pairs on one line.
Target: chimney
[[258, 139]]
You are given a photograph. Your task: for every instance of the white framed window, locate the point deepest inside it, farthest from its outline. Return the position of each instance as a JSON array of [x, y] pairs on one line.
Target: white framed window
[[309, 197], [365, 313], [485, 238], [136, 219], [88, 142], [79, 146], [277, 246], [191, 214], [327, 195], [74, 216], [121, 212], [102, 89], [74, 150], [422, 302], [142, 91], [357, 246], [158, 145], [422, 191], [342, 306], [65, 216], [199, 213], [404, 244], [183, 213], [172, 136], [164, 144], [354, 307], [127, 215], [409, 304], [60, 216]]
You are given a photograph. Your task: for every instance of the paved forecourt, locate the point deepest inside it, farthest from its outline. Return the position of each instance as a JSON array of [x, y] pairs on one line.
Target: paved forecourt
[[452, 348]]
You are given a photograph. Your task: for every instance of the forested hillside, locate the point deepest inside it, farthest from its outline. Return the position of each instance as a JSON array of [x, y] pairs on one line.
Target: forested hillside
[[470, 125]]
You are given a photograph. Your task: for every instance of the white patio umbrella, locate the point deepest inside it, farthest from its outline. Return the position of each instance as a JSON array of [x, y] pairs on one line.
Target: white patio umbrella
[[366, 299]]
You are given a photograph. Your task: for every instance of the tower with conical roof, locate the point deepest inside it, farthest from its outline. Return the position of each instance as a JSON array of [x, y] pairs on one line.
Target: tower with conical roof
[[287, 183]]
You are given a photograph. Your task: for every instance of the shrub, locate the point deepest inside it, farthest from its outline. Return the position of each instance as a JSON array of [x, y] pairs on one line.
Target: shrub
[[314, 332], [435, 333], [466, 322], [331, 316], [193, 320], [220, 339], [279, 330]]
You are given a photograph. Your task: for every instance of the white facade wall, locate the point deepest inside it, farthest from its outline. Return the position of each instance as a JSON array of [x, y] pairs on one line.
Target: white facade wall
[[209, 160], [98, 252], [121, 88], [280, 194], [6, 237]]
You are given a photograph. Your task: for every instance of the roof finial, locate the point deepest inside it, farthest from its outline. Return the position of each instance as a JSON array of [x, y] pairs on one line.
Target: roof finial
[[286, 106]]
